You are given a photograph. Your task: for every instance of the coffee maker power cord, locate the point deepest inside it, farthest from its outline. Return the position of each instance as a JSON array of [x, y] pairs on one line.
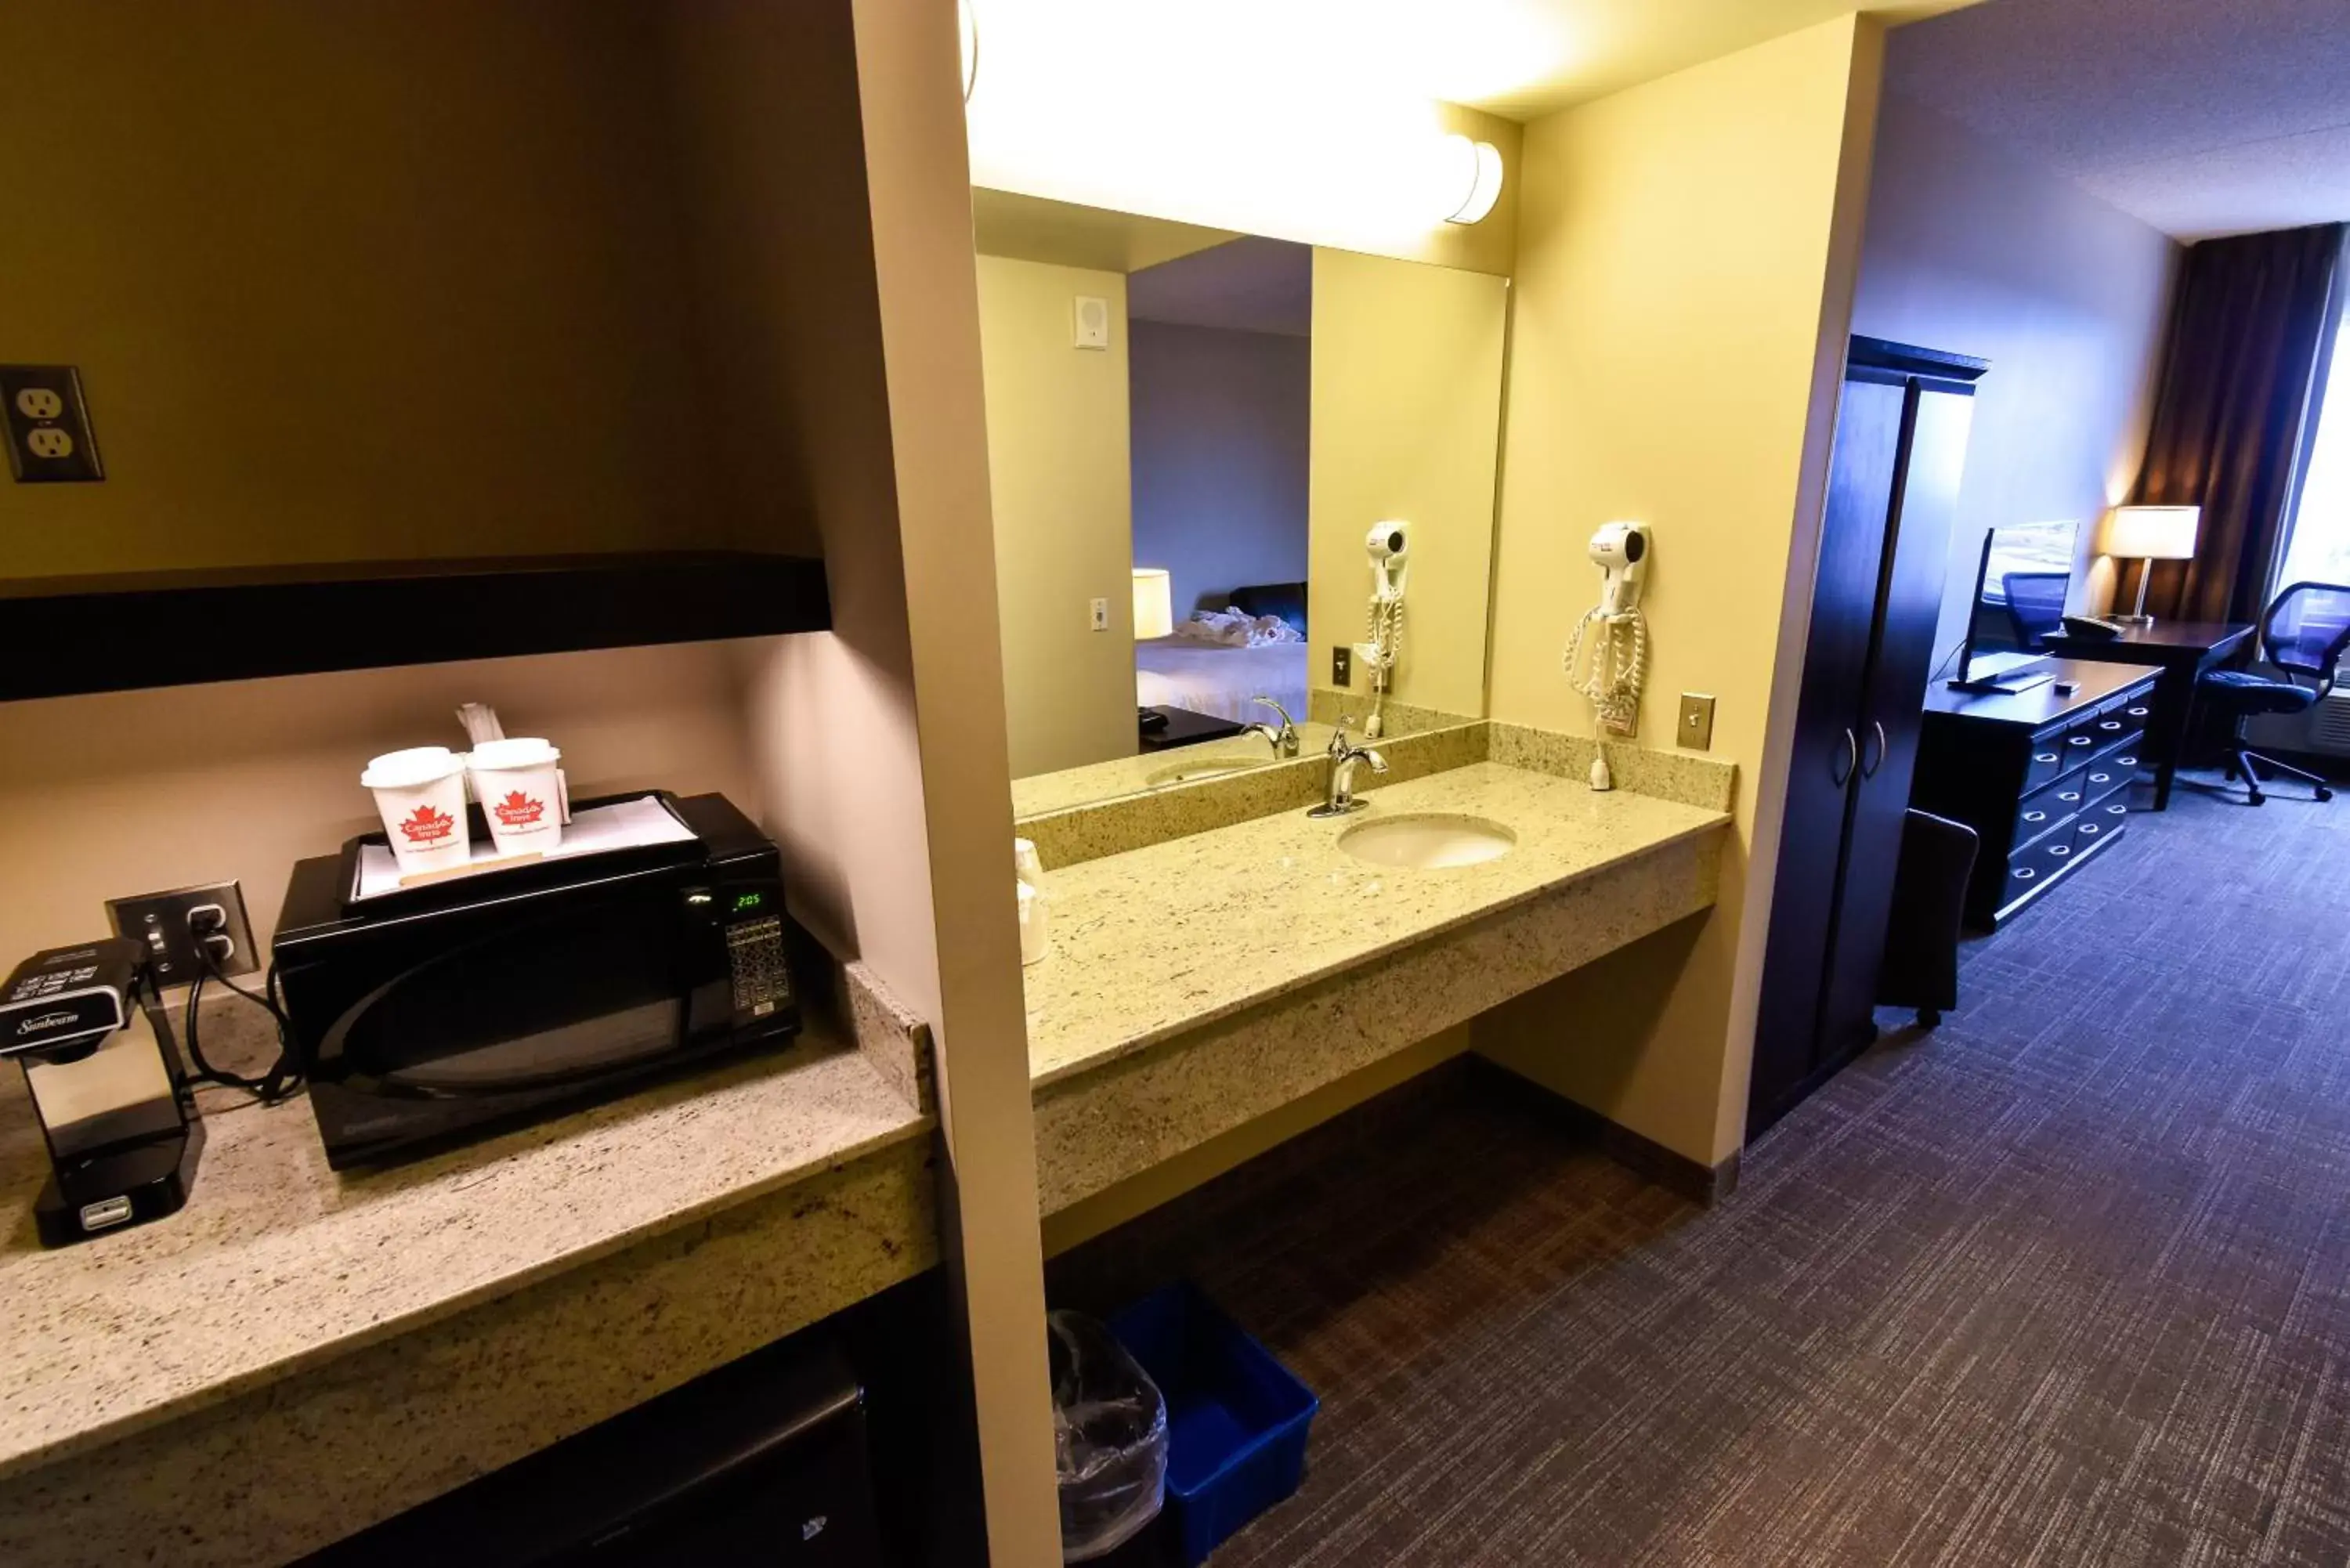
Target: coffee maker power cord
[[283, 1078]]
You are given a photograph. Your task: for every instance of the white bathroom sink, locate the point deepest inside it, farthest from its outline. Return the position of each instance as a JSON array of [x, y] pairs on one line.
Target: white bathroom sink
[[1427, 842], [1201, 768]]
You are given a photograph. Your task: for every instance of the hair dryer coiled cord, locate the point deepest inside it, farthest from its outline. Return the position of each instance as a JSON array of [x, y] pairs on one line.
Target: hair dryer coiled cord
[[1618, 664], [1384, 631]]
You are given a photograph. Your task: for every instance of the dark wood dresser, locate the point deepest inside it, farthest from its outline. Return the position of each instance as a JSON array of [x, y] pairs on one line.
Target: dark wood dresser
[[2043, 776]]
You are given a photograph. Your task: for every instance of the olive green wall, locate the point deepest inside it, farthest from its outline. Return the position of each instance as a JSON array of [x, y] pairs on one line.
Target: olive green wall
[[351, 281]]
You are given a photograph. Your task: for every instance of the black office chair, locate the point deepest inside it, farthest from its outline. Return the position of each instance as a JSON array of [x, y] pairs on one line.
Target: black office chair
[[2305, 632], [2035, 604]]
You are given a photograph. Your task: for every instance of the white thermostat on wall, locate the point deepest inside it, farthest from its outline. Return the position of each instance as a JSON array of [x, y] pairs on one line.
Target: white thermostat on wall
[[1092, 322]]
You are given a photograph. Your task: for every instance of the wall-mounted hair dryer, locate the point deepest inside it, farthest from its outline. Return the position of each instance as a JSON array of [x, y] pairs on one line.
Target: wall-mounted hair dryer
[[1621, 550], [1618, 655], [1389, 546]]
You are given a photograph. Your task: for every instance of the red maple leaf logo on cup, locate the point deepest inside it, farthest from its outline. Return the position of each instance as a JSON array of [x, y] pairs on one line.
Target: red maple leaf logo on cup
[[427, 826], [519, 810]]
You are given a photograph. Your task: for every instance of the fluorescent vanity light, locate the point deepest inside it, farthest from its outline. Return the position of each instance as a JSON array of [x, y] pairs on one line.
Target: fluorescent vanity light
[[1154, 602], [1479, 166]]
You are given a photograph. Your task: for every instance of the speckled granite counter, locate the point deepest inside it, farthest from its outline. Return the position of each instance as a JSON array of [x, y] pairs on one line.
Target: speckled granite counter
[[249, 1379], [1197, 983], [1043, 793]]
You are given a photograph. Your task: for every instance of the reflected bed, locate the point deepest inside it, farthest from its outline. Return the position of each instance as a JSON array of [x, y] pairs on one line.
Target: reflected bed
[[1179, 672]]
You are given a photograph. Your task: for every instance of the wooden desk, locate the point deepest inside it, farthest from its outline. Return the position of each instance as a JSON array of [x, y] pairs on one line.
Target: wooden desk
[[2182, 650], [2043, 777]]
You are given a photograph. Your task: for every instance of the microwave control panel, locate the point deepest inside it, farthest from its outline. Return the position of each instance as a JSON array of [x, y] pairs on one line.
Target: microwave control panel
[[755, 951]]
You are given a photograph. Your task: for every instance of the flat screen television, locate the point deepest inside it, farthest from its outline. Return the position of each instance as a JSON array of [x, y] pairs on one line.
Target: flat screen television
[[2020, 589]]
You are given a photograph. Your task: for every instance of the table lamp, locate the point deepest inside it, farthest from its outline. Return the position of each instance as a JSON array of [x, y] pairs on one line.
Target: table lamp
[[1154, 602], [2149, 534]]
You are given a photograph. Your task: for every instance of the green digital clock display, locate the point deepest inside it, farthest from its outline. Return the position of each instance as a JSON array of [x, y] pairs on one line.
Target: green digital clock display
[[745, 902]]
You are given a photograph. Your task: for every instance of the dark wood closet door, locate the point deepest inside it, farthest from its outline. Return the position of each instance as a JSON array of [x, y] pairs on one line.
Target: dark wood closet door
[[1892, 712], [1826, 757]]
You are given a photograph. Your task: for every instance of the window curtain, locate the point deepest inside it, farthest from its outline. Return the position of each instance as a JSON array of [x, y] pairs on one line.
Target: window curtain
[[2253, 326]]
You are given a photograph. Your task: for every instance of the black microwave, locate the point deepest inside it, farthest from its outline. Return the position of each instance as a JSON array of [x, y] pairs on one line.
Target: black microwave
[[435, 1014]]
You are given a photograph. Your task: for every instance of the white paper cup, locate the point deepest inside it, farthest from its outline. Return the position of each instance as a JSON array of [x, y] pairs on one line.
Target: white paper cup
[[421, 794], [520, 786]]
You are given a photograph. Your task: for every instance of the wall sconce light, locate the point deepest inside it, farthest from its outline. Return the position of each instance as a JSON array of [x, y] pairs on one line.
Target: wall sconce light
[[1479, 177], [967, 23]]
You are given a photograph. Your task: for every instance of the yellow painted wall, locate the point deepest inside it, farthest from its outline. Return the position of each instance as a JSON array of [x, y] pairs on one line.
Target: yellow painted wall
[[1684, 286], [1406, 423], [349, 282], [1059, 472]]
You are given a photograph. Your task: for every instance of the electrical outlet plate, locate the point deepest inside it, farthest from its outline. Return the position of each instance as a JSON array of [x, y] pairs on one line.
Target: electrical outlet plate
[[1695, 730], [161, 921], [1342, 667], [49, 438]]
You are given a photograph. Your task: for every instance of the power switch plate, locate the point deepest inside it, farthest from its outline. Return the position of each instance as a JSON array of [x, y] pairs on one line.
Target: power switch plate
[[49, 438], [1695, 730], [1342, 667], [161, 921], [1099, 614]]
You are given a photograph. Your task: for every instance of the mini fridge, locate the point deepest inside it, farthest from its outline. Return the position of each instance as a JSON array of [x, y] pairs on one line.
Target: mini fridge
[[762, 1462]]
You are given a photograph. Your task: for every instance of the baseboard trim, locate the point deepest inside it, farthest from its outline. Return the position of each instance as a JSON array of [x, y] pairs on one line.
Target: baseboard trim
[[1668, 1168]]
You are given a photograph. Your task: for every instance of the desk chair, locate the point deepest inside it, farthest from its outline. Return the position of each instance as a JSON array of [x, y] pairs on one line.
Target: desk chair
[[2303, 634], [2035, 604]]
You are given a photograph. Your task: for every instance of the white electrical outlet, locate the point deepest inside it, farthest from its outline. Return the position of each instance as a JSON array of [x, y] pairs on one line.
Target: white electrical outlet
[[47, 441], [1101, 615], [39, 403]]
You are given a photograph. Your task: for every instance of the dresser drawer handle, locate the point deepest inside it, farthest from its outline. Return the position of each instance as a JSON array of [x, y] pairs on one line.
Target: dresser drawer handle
[[2140, 713], [2110, 724], [2077, 739], [2126, 761], [2070, 797], [2116, 810], [2061, 850], [2101, 778], [2043, 756], [2035, 817], [2088, 828], [2026, 874]]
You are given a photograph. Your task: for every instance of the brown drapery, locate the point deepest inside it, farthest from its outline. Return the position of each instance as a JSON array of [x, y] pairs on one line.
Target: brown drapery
[[2254, 319]]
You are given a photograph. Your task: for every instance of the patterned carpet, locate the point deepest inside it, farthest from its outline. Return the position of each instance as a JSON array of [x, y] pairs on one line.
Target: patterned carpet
[[2067, 1283]]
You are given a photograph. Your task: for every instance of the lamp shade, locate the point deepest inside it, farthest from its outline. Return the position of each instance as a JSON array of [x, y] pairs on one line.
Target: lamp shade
[[1154, 602], [2151, 533]]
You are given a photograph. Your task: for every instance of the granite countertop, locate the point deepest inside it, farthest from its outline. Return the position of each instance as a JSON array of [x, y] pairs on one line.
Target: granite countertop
[[1158, 940], [278, 1264], [1042, 792]]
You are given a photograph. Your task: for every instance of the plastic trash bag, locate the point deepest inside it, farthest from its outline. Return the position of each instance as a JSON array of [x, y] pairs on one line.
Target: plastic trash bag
[[1109, 1439]]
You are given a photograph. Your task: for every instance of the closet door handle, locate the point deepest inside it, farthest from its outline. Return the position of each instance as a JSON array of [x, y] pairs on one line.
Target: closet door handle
[[1851, 761], [1868, 769]]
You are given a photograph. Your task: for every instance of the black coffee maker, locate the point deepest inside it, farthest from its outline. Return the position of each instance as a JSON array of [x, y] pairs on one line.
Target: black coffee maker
[[87, 1023]]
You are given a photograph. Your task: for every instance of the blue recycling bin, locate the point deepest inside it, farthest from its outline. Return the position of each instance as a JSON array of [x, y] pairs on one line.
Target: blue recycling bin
[[1237, 1420]]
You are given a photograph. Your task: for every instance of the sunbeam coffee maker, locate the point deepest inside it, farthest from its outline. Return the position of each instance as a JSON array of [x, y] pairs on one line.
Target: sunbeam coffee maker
[[88, 1023]]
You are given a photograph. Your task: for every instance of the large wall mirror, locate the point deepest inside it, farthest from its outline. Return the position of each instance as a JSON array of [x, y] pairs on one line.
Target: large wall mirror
[[1193, 437]]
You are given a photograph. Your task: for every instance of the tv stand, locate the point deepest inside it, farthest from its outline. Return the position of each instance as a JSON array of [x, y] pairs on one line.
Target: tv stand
[[2043, 779]]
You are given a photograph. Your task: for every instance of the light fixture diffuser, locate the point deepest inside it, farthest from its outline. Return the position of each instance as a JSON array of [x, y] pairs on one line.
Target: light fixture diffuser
[[1484, 166]]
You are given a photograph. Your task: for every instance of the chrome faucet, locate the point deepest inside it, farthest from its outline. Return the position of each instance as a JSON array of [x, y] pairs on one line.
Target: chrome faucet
[[1284, 739], [1338, 777]]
